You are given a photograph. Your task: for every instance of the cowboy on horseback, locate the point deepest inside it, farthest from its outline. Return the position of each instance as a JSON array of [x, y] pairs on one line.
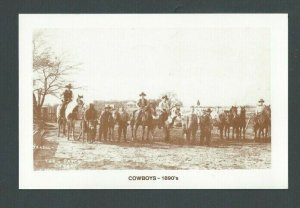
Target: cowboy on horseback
[[164, 107], [260, 107], [141, 104], [67, 94]]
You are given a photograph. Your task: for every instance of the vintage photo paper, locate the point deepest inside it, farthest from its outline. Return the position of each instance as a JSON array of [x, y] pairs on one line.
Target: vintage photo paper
[[159, 101]]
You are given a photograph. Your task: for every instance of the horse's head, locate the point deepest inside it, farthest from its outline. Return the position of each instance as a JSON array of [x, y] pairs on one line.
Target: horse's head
[[150, 109], [267, 111], [243, 111], [79, 100]]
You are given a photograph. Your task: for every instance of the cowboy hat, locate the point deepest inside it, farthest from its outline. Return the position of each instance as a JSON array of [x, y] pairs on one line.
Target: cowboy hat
[[209, 110], [107, 106], [142, 94], [68, 86], [165, 96], [261, 101]]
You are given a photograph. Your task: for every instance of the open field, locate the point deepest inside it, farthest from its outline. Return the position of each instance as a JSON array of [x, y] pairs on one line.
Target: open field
[[60, 154]]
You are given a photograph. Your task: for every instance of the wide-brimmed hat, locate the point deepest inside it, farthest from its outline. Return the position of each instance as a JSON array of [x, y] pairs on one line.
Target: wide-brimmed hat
[[142, 94], [209, 110], [261, 100], [68, 86], [107, 106], [165, 97]]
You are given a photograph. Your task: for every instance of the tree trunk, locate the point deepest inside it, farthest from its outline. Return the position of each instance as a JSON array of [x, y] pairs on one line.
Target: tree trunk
[[39, 112]]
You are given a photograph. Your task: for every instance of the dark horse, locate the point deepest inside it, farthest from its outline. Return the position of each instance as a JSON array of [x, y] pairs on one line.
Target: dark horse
[[262, 123], [224, 124], [242, 123], [145, 119]]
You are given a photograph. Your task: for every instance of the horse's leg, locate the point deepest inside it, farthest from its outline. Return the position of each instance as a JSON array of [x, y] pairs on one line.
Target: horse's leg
[[259, 133], [221, 132], [135, 130], [131, 126], [58, 129], [194, 131], [143, 132], [148, 130], [68, 130], [188, 135], [228, 132]]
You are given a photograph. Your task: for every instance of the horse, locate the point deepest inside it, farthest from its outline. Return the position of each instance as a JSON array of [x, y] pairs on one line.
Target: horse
[[262, 123], [242, 123], [61, 119], [224, 125], [75, 114], [145, 120], [206, 126], [234, 121]]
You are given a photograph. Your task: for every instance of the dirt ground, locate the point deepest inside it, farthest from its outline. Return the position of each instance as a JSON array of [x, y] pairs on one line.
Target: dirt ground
[[58, 153]]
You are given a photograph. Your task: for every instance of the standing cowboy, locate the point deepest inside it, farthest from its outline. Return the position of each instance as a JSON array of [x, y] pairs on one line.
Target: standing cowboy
[[260, 107], [205, 127], [198, 109], [191, 125], [67, 94], [141, 104], [90, 116], [122, 119], [104, 122]]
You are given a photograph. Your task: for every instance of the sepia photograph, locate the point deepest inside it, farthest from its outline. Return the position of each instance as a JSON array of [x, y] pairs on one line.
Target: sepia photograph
[[134, 94]]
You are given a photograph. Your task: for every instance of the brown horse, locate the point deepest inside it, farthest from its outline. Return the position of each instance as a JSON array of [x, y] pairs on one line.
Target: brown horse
[[242, 123], [224, 125], [262, 123], [145, 119]]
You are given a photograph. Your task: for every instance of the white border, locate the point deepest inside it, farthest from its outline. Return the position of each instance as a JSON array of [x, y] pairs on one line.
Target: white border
[[274, 178]]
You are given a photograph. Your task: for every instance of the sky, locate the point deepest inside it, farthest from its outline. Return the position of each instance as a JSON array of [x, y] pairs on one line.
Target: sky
[[218, 66]]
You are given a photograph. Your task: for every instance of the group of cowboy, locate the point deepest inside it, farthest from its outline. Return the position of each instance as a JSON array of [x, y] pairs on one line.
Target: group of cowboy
[[165, 111], [106, 120], [106, 116]]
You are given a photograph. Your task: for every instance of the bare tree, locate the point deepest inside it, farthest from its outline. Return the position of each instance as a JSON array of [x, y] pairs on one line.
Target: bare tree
[[50, 71], [173, 99]]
